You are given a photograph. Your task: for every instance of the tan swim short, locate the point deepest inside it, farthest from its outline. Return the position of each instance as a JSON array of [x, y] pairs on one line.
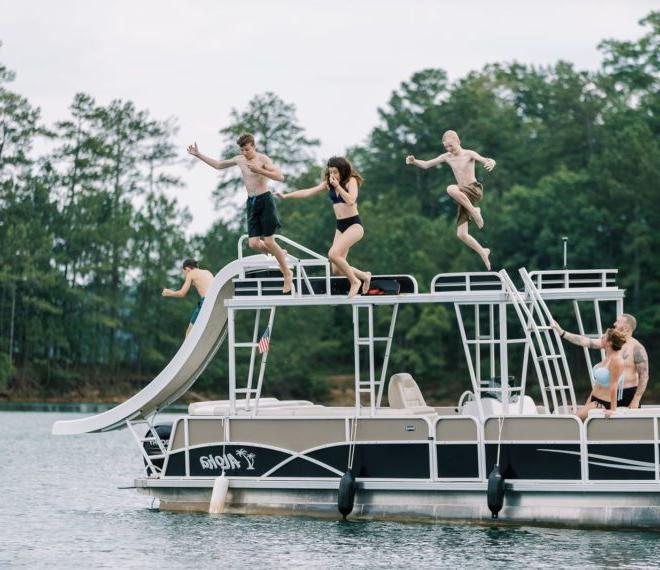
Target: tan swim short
[[475, 192]]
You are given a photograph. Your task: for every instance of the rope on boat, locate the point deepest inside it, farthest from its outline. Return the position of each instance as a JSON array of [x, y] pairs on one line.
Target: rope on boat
[[221, 483], [499, 439], [352, 442], [224, 444]]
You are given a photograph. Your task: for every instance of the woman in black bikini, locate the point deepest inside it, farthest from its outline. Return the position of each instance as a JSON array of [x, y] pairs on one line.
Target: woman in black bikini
[[341, 181]]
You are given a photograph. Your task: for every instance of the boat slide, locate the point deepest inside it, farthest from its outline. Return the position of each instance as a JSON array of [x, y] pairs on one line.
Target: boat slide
[[188, 363]]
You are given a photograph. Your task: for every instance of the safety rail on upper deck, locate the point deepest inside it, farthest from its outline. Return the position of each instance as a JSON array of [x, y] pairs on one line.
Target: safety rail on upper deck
[[465, 282], [259, 275], [574, 279], [301, 265]]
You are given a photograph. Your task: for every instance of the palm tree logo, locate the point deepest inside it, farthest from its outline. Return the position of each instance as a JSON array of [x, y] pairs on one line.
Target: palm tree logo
[[249, 458]]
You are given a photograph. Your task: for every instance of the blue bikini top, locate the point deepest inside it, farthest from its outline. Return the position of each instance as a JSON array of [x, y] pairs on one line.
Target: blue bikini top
[[602, 375], [334, 197]]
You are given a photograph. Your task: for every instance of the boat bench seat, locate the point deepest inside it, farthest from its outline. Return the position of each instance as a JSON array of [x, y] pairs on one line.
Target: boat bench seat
[[221, 407], [492, 407], [623, 411], [343, 411]]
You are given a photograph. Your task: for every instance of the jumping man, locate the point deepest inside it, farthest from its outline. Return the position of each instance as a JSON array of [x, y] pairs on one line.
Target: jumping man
[[467, 191], [262, 221]]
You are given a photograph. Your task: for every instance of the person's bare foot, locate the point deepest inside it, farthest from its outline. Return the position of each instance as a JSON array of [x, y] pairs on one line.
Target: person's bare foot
[[288, 283], [477, 218], [366, 283], [355, 287], [486, 258]]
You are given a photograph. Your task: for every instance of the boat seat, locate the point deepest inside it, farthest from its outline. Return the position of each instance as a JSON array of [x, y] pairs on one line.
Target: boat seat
[[493, 407], [341, 411], [403, 393], [221, 407], [627, 412]]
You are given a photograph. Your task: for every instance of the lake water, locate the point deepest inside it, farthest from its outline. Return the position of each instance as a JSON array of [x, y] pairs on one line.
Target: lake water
[[61, 507]]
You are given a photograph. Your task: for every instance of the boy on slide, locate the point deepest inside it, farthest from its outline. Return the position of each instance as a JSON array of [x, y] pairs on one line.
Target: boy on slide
[[200, 278], [467, 192], [262, 221]]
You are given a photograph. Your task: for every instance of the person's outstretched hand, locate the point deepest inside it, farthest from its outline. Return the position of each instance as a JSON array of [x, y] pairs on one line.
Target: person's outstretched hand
[[489, 164], [192, 149], [410, 159]]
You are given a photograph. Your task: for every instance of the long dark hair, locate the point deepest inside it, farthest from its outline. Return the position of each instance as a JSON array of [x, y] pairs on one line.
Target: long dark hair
[[346, 171]]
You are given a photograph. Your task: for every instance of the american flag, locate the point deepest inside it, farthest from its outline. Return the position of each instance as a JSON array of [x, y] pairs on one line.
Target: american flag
[[264, 341]]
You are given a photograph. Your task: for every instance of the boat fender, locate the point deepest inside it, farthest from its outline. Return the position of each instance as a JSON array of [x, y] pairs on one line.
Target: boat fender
[[219, 495], [495, 492], [346, 495]]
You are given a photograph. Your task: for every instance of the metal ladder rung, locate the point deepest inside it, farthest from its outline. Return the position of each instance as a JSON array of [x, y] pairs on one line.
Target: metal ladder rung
[[245, 344], [543, 327], [366, 341], [549, 356], [560, 387], [245, 390]]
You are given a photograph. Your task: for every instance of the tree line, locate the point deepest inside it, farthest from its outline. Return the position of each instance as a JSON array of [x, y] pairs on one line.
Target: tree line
[[88, 234]]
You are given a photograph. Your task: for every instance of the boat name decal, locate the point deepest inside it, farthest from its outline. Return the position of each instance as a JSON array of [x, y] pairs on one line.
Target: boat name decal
[[227, 461]]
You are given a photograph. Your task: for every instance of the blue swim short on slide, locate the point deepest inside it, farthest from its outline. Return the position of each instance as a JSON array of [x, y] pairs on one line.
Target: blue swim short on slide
[[195, 312]]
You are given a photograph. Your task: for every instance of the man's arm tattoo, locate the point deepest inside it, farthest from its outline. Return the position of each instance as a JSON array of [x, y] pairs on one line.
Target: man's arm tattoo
[[580, 340], [642, 368]]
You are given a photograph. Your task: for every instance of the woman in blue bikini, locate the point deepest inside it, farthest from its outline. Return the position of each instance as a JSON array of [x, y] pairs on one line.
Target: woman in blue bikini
[[608, 391], [341, 181]]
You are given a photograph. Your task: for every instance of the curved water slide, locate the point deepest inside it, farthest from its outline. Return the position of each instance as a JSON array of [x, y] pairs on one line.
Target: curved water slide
[[180, 374]]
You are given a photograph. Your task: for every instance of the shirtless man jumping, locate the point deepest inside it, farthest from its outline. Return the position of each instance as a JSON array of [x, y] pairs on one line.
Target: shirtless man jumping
[[262, 220], [467, 192], [635, 359], [200, 279]]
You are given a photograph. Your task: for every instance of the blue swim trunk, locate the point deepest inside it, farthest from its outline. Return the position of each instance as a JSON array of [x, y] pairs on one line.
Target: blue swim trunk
[[195, 312]]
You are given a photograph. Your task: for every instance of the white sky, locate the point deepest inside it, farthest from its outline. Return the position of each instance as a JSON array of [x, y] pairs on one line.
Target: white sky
[[336, 60]]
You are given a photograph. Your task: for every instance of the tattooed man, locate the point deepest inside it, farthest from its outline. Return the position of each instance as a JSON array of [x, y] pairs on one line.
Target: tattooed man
[[635, 360]]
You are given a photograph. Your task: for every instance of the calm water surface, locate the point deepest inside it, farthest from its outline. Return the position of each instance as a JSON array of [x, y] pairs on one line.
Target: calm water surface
[[61, 507]]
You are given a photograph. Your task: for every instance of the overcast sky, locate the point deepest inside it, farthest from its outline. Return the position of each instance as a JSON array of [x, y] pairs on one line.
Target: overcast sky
[[336, 60]]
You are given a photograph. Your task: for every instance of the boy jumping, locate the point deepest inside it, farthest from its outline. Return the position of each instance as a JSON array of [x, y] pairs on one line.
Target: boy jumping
[[200, 278], [467, 192], [262, 220]]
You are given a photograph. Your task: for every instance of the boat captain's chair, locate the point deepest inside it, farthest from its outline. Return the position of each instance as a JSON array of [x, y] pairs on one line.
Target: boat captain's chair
[[403, 393]]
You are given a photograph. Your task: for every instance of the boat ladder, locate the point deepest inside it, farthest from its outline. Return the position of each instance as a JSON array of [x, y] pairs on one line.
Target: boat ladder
[[544, 347]]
